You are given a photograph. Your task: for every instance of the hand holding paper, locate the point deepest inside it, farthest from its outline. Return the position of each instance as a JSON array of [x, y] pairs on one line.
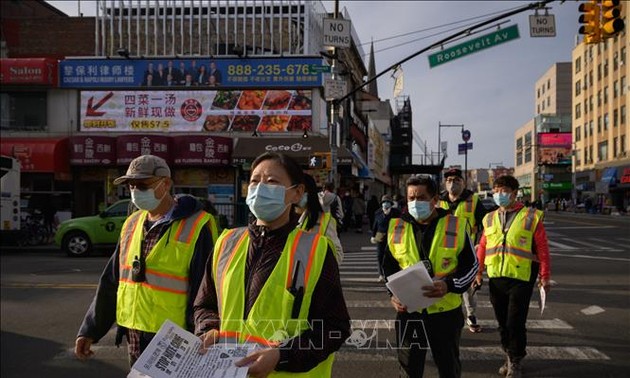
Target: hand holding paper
[[407, 285]]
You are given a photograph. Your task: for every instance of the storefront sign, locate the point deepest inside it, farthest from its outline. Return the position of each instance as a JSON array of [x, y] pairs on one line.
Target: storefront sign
[[129, 147], [625, 179], [92, 150], [160, 73], [202, 150], [557, 185], [42, 71], [554, 139], [196, 111]]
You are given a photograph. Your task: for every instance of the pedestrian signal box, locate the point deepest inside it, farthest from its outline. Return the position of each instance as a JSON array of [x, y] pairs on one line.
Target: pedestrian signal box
[[320, 160]]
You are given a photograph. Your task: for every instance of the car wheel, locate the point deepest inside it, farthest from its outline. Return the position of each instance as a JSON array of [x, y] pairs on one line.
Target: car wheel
[[76, 244]]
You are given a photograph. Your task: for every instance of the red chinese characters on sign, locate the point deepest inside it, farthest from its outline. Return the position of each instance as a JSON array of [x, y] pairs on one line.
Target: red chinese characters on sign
[[41, 71], [202, 150], [92, 150], [129, 147]]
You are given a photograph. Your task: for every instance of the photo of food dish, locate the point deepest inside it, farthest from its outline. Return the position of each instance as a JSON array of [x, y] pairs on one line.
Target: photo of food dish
[[251, 100], [301, 100], [216, 123], [277, 100], [245, 123], [299, 123], [225, 100], [274, 123]]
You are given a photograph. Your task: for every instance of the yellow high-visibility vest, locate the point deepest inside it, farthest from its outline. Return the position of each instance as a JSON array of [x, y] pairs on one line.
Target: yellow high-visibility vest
[[510, 254], [466, 210], [146, 305], [447, 243], [275, 316]]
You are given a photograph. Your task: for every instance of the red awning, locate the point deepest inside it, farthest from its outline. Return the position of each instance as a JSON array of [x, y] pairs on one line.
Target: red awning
[[38, 154]]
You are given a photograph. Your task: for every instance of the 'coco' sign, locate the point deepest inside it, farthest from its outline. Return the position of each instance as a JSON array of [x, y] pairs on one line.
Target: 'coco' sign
[[295, 147]]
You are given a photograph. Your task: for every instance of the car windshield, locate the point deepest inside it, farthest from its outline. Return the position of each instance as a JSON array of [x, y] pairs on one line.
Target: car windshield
[[118, 210]]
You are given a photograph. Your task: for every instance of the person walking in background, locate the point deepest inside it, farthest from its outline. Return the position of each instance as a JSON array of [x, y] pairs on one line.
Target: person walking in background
[[158, 264], [428, 234], [358, 209], [465, 204], [379, 230], [515, 252], [273, 283], [348, 216], [314, 219], [331, 203]]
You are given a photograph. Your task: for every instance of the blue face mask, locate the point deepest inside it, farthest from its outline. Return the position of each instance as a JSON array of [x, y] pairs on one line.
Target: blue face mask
[[387, 206], [501, 199], [303, 201], [266, 201], [419, 210]]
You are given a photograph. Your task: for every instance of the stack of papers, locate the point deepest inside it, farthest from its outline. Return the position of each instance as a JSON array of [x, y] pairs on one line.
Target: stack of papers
[[407, 284]]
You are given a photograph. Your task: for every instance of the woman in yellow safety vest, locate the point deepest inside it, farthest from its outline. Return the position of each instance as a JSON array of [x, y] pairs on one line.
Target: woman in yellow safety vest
[[314, 219], [274, 284]]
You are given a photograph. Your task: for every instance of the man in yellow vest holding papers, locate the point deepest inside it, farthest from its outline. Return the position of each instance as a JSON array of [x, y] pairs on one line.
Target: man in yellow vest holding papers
[[428, 234]]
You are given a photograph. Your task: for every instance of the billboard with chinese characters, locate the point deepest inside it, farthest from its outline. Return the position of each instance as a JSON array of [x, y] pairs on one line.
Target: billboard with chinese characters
[[554, 148], [267, 110], [199, 72]]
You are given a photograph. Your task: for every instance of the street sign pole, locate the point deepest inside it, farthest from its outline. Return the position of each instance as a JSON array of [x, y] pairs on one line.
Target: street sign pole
[[333, 116]]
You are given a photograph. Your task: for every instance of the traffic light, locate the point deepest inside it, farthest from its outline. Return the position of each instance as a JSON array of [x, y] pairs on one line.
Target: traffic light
[[590, 18], [612, 23]]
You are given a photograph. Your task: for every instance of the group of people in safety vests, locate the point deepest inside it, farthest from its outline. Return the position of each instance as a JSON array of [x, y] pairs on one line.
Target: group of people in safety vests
[[276, 281]]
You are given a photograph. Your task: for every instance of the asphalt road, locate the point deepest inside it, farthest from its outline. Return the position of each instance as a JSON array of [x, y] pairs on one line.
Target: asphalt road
[[583, 332]]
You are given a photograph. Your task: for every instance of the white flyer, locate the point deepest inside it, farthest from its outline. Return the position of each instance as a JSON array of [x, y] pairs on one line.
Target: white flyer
[[407, 287], [543, 299], [174, 352]]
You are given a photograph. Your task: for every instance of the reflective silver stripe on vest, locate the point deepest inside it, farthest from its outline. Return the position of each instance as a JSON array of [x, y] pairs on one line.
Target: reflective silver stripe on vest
[[159, 281], [302, 255], [398, 231], [450, 234], [125, 238], [529, 218], [188, 227], [512, 251], [490, 219], [229, 244]]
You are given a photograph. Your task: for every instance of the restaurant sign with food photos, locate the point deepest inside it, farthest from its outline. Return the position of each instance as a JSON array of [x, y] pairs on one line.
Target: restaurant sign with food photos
[[266, 110]]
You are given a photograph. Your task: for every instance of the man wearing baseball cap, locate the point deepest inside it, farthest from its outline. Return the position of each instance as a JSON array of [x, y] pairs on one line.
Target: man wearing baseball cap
[[157, 267], [465, 204]]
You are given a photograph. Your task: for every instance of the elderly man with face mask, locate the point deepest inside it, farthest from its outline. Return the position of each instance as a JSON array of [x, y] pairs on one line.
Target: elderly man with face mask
[[428, 234], [465, 204]]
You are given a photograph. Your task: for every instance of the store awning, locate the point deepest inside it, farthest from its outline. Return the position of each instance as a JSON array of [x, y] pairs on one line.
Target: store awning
[[39, 154], [202, 150], [91, 150], [247, 149]]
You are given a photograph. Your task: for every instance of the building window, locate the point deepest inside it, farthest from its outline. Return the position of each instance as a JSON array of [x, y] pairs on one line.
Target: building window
[[615, 140], [615, 118], [615, 89], [590, 103], [590, 128], [578, 88], [622, 115], [590, 78], [622, 55], [528, 155], [605, 67], [23, 111], [586, 130], [599, 71], [578, 64], [599, 124], [624, 88], [606, 121], [590, 154], [602, 151], [585, 107], [599, 98], [578, 136], [548, 83], [615, 61], [538, 109], [586, 156], [578, 112], [622, 145], [538, 93], [605, 95]]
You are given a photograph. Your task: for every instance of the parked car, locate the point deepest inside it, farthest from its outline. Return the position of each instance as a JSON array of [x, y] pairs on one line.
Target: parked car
[[80, 236]]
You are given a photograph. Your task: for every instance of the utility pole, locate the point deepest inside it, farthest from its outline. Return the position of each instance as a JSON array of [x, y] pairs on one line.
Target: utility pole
[[333, 114], [440, 125]]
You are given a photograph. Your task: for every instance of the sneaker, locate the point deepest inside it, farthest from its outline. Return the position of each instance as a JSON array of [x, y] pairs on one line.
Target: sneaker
[[471, 322], [515, 370], [381, 279], [503, 370]]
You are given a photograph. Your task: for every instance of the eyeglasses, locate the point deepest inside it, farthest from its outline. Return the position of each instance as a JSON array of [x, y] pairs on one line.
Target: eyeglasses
[[142, 186], [453, 179]]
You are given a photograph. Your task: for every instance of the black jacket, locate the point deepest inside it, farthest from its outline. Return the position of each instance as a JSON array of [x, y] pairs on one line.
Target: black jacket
[[101, 314]]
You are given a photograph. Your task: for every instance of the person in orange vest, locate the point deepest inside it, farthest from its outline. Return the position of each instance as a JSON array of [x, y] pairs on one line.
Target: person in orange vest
[[515, 252], [158, 264], [273, 284], [428, 234]]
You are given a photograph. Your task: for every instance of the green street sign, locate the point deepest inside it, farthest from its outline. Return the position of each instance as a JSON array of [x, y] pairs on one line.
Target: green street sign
[[563, 185], [474, 45], [315, 68]]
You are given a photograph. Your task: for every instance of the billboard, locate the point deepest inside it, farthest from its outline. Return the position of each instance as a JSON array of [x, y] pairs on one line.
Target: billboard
[[554, 155], [554, 139], [183, 73], [268, 110]]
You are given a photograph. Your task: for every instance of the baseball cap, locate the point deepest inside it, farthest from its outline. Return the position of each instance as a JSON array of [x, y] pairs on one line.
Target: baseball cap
[[143, 167], [386, 198], [453, 172]]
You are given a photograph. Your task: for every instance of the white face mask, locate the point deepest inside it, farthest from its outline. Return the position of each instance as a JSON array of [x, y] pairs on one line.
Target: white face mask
[[303, 201], [419, 210], [145, 199]]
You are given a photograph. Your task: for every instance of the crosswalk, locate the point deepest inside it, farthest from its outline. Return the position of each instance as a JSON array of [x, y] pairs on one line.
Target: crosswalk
[[359, 275]]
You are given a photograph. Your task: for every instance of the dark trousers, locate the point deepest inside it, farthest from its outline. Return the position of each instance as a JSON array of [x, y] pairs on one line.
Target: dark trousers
[[441, 332], [510, 300], [380, 255]]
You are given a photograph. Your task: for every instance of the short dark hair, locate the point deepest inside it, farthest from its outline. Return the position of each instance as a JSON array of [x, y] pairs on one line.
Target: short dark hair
[[329, 186], [290, 166], [506, 181], [423, 180]]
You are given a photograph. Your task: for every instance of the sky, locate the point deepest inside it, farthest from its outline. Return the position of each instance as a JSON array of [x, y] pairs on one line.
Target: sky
[[490, 92]]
